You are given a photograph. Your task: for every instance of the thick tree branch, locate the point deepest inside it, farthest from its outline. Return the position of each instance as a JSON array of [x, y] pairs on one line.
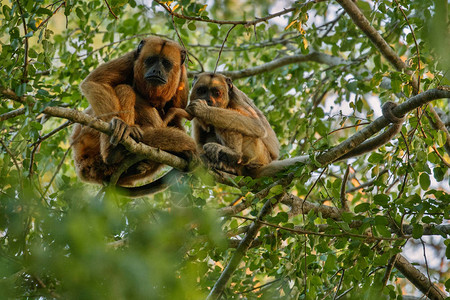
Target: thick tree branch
[[381, 122], [361, 21], [12, 114], [87, 120], [418, 279], [136, 148]]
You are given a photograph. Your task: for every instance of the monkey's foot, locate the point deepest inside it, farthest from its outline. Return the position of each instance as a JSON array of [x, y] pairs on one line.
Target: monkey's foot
[[122, 130], [221, 157], [214, 165]]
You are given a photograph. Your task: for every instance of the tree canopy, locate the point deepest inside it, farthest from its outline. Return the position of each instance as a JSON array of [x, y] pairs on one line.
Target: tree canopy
[[375, 225]]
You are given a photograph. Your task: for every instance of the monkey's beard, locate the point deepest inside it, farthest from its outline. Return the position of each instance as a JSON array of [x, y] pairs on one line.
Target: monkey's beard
[[156, 95]]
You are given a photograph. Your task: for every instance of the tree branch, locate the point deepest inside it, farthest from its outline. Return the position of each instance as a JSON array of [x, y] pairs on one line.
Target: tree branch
[[242, 248], [381, 122], [361, 21], [223, 22], [151, 153], [418, 279], [76, 116], [245, 243], [287, 60], [12, 114]]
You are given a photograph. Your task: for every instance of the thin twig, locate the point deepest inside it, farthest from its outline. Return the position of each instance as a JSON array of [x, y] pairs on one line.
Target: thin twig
[[260, 287], [347, 127], [110, 10], [25, 32], [48, 18], [54, 131], [426, 261], [441, 157], [344, 203], [415, 42], [32, 155], [312, 187], [221, 48], [222, 22], [366, 184], [339, 284], [389, 268], [56, 172], [19, 170], [298, 230]]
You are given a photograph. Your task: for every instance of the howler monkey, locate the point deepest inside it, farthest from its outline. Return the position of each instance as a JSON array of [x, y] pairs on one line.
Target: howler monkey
[[234, 136], [142, 94], [231, 131]]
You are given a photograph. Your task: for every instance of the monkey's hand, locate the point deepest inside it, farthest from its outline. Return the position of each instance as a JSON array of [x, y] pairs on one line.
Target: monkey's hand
[[176, 112], [197, 108], [122, 130]]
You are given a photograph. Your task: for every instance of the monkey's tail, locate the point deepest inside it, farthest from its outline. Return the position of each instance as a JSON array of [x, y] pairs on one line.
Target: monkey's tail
[[153, 187], [276, 166]]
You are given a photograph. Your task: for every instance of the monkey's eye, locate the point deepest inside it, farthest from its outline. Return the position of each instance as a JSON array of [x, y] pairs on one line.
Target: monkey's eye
[[151, 60], [215, 93], [166, 63], [202, 90]]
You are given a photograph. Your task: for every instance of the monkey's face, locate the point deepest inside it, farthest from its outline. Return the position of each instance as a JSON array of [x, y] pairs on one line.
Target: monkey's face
[[213, 88], [158, 68]]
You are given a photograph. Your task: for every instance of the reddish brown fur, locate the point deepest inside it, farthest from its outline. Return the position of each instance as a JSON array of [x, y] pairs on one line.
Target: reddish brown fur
[[117, 89]]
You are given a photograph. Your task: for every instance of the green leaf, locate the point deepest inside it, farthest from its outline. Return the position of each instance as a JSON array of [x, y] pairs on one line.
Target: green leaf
[[330, 263], [363, 207], [383, 230], [381, 199], [417, 231], [424, 181], [275, 190], [21, 89], [439, 173], [375, 158], [447, 285], [192, 27]]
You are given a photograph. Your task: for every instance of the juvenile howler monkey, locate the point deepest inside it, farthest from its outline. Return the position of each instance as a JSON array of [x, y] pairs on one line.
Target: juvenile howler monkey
[[231, 131], [233, 135], [142, 94]]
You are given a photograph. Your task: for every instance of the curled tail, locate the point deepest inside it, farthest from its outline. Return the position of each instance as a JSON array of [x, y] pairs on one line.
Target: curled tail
[[153, 187], [277, 166]]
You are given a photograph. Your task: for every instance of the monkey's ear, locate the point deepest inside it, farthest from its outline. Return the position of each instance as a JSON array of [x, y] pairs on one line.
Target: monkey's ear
[[139, 48], [195, 79], [183, 55], [229, 82]]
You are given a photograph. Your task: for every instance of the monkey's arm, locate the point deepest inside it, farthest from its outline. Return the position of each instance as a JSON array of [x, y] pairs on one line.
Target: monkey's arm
[[227, 119], [98, 87], [176, 112]]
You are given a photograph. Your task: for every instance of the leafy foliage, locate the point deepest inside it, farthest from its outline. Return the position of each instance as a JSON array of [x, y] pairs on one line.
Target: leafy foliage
[[61, 238]]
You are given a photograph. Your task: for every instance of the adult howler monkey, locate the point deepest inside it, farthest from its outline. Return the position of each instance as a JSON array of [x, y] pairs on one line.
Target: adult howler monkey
[[231, 131], [142, 94]]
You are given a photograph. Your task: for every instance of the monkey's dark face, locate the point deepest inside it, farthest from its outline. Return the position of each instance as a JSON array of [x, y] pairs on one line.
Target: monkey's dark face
[[158, 68], [213, 88]]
